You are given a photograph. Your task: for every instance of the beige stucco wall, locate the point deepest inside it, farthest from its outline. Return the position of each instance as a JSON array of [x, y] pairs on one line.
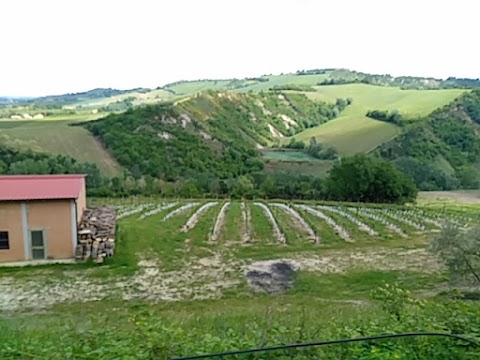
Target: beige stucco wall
[[11, 221], [55, 218], [81, 202]]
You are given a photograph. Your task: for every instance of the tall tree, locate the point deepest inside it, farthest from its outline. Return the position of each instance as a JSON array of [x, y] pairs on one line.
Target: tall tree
[[363, 179]]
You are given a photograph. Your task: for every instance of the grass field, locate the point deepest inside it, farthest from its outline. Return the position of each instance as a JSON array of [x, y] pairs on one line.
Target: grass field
[[287, 155], [57, 137], [169, 292], [312, 167], [353, 132]]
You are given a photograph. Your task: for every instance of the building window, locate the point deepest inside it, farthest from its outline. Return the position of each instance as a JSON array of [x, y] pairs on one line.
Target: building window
[[4, 244]]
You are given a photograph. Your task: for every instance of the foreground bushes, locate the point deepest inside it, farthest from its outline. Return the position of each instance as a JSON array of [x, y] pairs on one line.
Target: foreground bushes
[[148, 335]]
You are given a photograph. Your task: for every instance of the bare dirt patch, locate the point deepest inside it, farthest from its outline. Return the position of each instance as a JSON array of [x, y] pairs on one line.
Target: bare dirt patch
[[275, 132], [204, 278], [459, 197], [272, 277]]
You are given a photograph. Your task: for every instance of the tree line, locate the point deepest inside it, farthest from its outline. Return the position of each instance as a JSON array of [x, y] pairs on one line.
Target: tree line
[[354, 179], [360, 178], [314, 149]]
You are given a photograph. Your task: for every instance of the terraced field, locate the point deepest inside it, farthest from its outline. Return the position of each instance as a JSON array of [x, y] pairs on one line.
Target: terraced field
[[352, 132]]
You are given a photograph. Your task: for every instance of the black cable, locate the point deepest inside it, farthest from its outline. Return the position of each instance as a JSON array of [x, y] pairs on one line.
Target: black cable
[[329, 342]]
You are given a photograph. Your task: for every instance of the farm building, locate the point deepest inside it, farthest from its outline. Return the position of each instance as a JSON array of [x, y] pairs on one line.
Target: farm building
[[39, 215]]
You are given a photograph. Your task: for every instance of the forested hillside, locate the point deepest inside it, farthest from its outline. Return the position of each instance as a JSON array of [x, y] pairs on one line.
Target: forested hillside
[[215, 133], [442, 152]]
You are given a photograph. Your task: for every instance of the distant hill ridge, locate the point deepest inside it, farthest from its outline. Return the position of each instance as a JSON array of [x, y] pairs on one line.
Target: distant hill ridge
[[87, 95], [327, 76]]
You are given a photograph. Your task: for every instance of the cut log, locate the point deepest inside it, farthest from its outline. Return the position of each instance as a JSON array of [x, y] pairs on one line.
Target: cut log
[[96, 234]]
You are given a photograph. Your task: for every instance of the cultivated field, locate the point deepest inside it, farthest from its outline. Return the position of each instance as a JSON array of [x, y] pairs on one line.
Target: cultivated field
[[178, 278], [58, 137], [178, 236], [353, 132], [258, 229]]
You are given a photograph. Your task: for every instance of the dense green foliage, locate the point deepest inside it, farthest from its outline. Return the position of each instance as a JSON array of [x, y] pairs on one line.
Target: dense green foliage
[[14, 162], [364, 179], [313, 149], [460, 251], [442, 152], [212, 133], [393, 117]]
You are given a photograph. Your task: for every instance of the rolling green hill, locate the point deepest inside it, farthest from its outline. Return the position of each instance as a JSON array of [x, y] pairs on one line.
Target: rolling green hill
[[353, 132], [243, 115]]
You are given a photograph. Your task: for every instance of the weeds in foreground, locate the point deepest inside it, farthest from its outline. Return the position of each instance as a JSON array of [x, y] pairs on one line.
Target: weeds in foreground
[[150, 335]]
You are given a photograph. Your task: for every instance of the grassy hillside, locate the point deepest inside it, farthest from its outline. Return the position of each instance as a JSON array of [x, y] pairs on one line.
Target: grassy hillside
[[58, 137], [353, 132]]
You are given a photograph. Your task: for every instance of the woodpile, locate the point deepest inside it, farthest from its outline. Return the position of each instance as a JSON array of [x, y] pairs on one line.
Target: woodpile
[[96, 234]]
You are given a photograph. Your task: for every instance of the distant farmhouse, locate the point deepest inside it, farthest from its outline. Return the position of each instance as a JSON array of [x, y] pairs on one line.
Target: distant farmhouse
[[39, 215]]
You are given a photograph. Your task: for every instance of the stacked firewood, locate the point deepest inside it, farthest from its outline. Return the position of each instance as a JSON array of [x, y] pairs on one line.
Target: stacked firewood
[[96, 235]]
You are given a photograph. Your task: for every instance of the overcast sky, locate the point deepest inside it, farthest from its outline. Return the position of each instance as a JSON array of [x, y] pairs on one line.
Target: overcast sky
[[53, 47]]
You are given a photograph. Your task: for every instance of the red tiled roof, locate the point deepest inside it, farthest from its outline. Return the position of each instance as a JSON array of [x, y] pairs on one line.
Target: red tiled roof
[[40, 187]]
